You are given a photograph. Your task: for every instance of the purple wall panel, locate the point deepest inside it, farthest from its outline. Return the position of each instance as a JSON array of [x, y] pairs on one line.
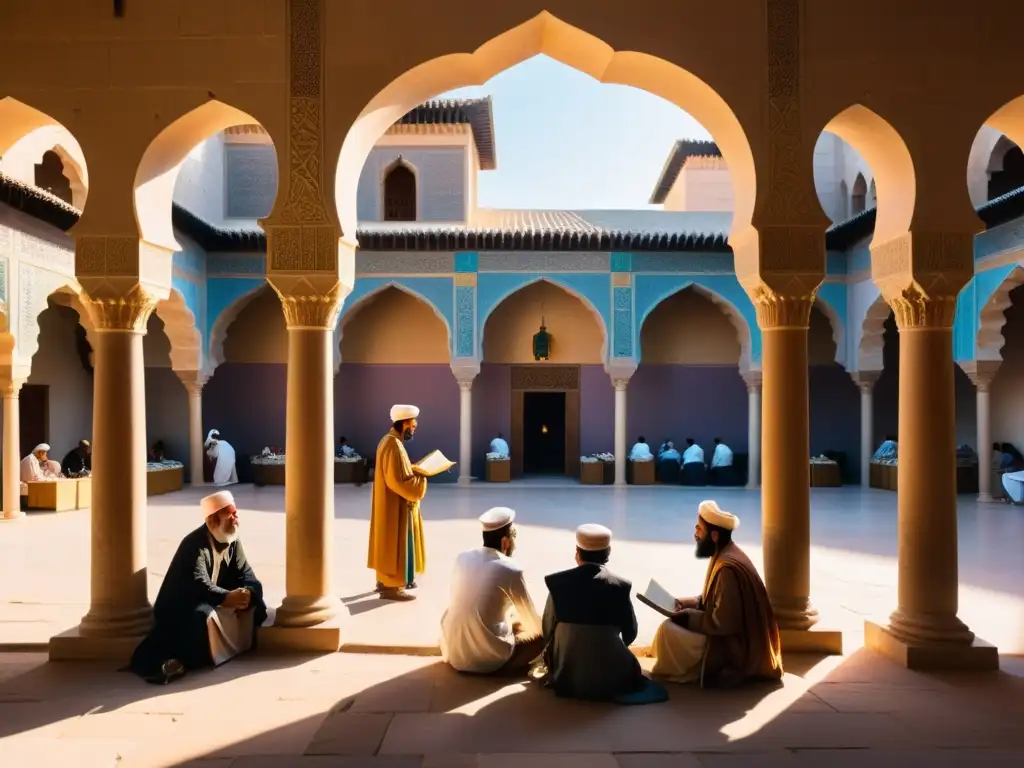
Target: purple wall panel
[[835, 416], [364, 394], [167, 414], [492, 411], [597, 411], [681, 401]]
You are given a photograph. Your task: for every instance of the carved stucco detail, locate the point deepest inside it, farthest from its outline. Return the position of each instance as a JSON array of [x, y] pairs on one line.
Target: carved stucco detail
[[783, 310], [302, 247], [539, 261], [781, 268], [399, 263], [556, 377], [312, 303], [118, 304]]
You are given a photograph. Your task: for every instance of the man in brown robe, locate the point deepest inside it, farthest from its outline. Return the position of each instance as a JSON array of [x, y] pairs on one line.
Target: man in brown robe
[[397, 552], [727, 635]]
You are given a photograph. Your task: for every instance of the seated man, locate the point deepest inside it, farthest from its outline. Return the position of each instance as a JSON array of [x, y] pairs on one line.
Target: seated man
[[344, 449], [210, 604], [694, 471], [669, 461], [500, 446], [588, 625], [641, 451], [728, 634], [223, 456], [158, 452], [477, 634], [38, 467], [887, 451], [721, 470], [78, 462]]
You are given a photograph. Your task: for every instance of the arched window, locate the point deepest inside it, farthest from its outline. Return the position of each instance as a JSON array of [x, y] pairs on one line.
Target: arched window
[[400, 193], [844, 202], [1006, 168], [50, 176], [872, 196], [858, 200]]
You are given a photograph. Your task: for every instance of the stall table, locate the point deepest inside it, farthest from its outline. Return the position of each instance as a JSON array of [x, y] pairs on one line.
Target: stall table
[[350, 472], [640, 472], [161, 481], [84, 499], [499, 471], [592, 472], [825, 475], [53, 495], [267, 474]]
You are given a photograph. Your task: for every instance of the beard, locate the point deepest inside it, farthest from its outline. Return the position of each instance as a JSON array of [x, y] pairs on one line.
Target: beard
[[225, 534], [511, 549], [407, 436], [705, 548]]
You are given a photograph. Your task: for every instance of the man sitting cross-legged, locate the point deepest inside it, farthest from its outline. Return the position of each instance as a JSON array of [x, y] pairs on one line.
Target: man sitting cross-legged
[[210, 603], [728, 634], [477, 634]]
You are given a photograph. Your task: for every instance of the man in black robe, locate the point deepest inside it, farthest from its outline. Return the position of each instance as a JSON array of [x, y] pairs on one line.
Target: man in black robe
[[210, 604], [588, 625], [78, 462]]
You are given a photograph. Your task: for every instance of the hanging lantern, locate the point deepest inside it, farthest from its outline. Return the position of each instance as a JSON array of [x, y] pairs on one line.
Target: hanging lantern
[[542, 343]]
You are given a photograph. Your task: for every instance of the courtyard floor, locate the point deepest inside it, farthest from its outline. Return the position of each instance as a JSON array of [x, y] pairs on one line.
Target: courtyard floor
[[395, 711]]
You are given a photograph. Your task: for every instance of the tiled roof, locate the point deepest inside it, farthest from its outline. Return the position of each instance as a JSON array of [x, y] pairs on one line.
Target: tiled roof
[[1004, 208], [681, 152], [476, 113], [37, 203], [843, 234]]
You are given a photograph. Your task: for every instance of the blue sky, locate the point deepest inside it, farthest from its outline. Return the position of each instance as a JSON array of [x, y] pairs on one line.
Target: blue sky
[[566, 141]]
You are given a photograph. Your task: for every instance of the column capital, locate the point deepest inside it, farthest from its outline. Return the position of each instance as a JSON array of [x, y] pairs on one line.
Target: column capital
[[753, 379], [465, 372], [194, 381], [920, 275], [620, 384], [310, 301], [980, 372], [117, 303], [865, 380]]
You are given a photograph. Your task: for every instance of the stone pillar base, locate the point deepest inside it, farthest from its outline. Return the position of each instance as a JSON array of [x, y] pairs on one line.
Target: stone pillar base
[[979, 656], [322, 638], [985, 498], [813, 640], [17, 515], [72, 645], [464, 480]]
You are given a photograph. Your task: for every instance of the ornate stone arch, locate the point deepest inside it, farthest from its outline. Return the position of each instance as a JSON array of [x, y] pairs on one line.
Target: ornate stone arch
[[838, 329], [223, 321], [872, 339], [349, 311], [730, 310], [182, 332], [68, 295], [583, 299], [992, 317]]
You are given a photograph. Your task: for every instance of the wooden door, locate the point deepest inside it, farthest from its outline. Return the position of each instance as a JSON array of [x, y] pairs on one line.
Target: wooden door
[[34, 412], [517, 446], [572, 433]]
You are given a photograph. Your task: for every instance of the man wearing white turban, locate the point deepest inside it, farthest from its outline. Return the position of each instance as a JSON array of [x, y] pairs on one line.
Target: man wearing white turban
[[222, 454], [210, 603], [727, 634], [38, 467], [397, 552]]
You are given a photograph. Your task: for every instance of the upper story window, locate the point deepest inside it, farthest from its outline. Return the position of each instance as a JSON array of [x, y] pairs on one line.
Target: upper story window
[[859, 197], [50, 176], [400, 193], [1006, 169]]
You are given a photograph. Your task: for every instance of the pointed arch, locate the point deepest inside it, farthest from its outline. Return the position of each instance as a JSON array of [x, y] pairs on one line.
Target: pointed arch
[[552, 280], [891, 167], [158, 169], [574, 47], [872, 195], [836, 324], [400, 191], [844, 201], [992, 317], [182, 332], [350, 310], [244, 292], [858, 195], [872, 339]]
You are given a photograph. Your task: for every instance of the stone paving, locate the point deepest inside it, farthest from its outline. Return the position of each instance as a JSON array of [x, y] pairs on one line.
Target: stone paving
[[853, 555], [399, 711]]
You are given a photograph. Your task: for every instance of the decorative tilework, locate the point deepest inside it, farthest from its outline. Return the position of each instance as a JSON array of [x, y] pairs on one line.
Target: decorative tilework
[[465, 278], [465, 306], [688, 263], [540, 261], [465, 261], [622, 262], [622, 279], [622, 322], [403, 263]]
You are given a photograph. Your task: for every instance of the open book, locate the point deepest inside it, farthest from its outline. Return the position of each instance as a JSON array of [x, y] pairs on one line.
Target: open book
[[658, 598], [434, 463]]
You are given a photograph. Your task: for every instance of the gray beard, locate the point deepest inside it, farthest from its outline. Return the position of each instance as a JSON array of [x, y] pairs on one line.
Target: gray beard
[[223, 537]]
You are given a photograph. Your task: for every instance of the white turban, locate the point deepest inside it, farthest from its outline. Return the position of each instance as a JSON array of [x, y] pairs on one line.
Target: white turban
[[41, 447], [711, 514], [403, 412], [210, 435], [215, 502], [593, 538], [496, 518]]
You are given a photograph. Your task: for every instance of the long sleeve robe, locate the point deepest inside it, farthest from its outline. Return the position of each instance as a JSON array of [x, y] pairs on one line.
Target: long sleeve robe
[[187, 599], [397, 551]]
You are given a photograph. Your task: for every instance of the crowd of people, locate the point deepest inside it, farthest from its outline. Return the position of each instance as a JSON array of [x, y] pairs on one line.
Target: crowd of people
[[690, 466], [39, 467]]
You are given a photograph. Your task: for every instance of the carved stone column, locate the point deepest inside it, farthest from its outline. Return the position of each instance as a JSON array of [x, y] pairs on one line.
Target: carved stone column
[[621, 439], [194, 381], [865, 381], [920, 276], [753, 380], [981, 374], [12, 450]]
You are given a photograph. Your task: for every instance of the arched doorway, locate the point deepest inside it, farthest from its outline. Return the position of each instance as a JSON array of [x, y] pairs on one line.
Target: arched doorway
[[834, 407], [552, 410]]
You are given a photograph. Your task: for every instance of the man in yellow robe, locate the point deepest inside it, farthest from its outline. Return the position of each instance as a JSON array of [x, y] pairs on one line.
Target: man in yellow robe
[[397, 552]]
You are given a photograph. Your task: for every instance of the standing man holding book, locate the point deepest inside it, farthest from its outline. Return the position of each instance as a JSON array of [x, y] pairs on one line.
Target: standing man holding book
[[397, 552]]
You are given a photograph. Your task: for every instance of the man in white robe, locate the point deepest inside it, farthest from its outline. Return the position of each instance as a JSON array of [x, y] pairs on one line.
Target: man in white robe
[[1013, 482], [223, 457], [500, 446], [38, 467], [694, 471], [693, 454], [722, 457], [641, 451], [478, 632]]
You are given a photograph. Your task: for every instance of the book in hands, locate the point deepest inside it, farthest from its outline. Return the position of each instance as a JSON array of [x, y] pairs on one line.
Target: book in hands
[[658, 598], [434, 463]]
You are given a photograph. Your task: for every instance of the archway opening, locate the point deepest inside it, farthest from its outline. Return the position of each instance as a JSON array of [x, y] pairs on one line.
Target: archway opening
[[834, 408], [1007, 417], [395, 348], [858, 196], [400, 199], [1006, 169], [688, 383], [166, 398], [50, 176]]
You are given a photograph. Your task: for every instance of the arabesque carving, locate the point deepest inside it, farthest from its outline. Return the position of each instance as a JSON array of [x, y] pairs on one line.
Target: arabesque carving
[[782, 310], [302, 247], [112, 310], [554, 377], [914, 308], [306, 306]]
